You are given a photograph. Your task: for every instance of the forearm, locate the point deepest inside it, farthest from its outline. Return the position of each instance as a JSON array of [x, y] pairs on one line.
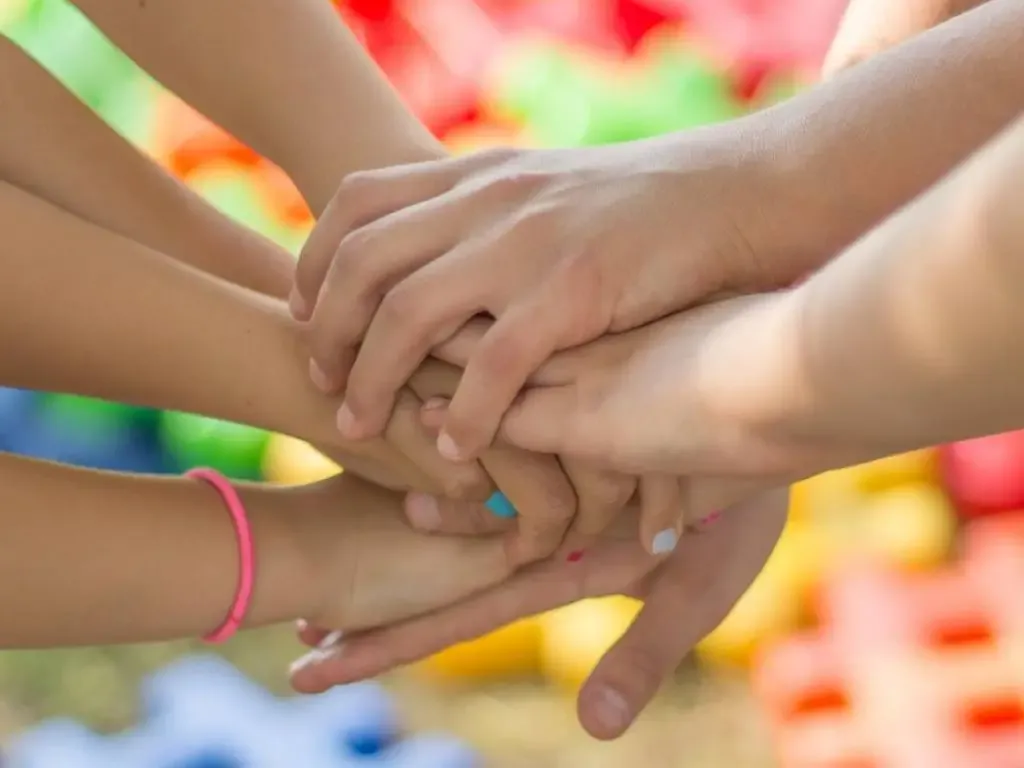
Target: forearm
[[854, 149], [285, 76], [871, 26], [910, 337], [97, 558], [83, 310], [54, 147]]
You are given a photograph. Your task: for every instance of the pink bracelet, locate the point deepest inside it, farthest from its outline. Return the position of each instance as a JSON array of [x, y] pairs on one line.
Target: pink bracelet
[[246, 552]]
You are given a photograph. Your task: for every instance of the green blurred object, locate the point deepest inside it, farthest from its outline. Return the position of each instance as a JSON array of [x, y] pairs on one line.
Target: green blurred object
[[199, 441], [233, 192], [90, 414], [567, 97], [66, 43]]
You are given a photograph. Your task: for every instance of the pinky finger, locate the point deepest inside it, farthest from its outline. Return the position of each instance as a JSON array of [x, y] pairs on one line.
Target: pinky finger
[[662, 517]]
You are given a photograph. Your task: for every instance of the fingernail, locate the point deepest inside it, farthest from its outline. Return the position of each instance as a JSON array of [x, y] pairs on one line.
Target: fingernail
[[314, 658], [576, 556], [301, 625], [500, 505], [423, 511], [447, 447], [704, 522], [611, 709], [435, 404], [664, 542], [332, 642], [319, 378], [347, 422], [297, 305], [330, 647]]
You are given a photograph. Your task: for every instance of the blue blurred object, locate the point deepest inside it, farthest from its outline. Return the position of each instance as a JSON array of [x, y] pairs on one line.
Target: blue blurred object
[[17, 407], [88, 433], [500, 505], [203, 713]]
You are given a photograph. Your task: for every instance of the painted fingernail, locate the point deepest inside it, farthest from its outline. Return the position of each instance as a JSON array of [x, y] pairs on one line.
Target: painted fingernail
[[347, 422], [297, 305], [575, 557], [423, 511], [664, 542], [319, 378], [709, 519], [329, 648], [500, 505], [447, 447], [611, 709]]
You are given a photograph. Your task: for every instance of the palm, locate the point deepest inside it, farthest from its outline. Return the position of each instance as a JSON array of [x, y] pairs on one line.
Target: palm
[[685, 597]]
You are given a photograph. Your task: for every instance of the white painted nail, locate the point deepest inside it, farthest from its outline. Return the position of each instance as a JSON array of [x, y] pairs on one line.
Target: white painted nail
[[664, 542]]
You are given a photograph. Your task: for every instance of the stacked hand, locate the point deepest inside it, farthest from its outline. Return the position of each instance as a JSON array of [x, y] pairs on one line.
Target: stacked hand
[[406, 258]]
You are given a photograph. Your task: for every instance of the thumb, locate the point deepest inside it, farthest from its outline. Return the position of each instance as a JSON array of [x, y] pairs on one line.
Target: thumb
[[688, 597]]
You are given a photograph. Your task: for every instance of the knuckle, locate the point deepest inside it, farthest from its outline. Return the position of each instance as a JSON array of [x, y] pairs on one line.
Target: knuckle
[[644, 666], [403, 307], [465, 486], [355, 187], [353, 257], [503, 354], [515, 183], [496, 155]]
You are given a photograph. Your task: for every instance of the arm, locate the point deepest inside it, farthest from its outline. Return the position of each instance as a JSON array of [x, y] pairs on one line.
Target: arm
[[871, 26], [910, 337], [97, 314], [53, 146], [853, 150], [97, 558], [285, 76]]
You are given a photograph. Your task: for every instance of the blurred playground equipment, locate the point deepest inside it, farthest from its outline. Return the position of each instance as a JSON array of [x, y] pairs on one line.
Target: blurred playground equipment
[[202, 713], [569, 73]]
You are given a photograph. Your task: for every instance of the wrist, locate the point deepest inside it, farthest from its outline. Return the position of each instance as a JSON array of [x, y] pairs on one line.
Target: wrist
[[285, 584]]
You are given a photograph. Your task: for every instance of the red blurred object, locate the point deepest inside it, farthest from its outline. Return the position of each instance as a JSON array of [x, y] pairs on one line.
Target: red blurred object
[[435, 52], [778, 34], [985, 475], [908, 671], [186, 141]]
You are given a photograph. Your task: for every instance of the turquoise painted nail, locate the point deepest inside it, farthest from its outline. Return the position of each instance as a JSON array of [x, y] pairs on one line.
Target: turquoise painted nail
[[500, 505]]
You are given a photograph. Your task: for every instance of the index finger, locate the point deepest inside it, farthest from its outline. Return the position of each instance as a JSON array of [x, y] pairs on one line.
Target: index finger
[[362, 197]]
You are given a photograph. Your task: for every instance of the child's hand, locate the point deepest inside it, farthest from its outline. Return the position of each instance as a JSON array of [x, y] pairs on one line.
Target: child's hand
[[367, 567], [561, 246], [704, 392], [685, 597]]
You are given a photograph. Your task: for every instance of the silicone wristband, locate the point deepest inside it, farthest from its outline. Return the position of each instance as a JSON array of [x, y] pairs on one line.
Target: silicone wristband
[[246, 552]]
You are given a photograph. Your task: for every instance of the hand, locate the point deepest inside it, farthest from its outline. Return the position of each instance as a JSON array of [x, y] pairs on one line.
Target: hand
[[561, 246], [725, 385], [368, 568], [685, 597], [552, 495]]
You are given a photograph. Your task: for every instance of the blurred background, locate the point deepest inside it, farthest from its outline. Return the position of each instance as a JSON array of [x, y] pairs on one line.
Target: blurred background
[[879, 622]]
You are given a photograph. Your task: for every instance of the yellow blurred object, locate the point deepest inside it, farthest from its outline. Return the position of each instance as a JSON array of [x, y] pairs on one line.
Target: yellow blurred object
[[292, 462], [919, 467], [775, 604], [464, 140], [577, 636], [912, 526], [510, 652]]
